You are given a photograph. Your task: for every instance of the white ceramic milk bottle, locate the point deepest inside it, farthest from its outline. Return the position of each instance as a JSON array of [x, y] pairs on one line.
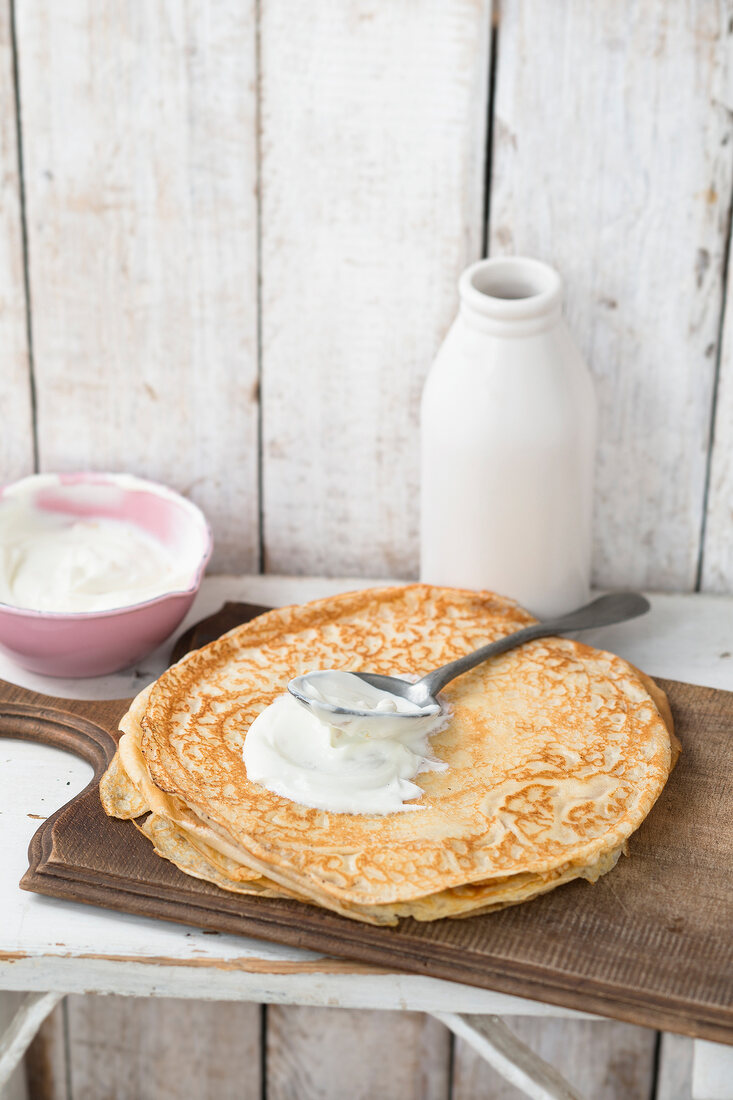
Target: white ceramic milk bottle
[[508, 443]]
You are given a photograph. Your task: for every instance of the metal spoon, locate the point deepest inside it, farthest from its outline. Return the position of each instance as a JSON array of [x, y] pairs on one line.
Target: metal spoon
[[613, 608]]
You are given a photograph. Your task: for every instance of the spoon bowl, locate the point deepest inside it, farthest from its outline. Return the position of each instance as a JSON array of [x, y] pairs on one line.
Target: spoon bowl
[[403, 703]]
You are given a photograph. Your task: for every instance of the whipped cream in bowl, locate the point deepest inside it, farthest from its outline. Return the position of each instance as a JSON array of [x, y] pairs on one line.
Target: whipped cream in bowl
[[95, 569], [54, 561]]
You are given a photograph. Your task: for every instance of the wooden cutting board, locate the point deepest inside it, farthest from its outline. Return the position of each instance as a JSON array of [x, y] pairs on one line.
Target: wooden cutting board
[[651, 943]]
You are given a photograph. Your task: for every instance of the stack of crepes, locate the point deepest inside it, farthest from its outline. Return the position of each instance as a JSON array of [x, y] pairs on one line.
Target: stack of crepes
[[556, 753]]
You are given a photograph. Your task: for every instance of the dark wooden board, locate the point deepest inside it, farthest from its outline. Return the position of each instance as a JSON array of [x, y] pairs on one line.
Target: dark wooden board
[[651, 943]]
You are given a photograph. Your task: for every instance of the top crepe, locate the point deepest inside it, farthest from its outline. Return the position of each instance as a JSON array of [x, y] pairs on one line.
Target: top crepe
[[556, 751]]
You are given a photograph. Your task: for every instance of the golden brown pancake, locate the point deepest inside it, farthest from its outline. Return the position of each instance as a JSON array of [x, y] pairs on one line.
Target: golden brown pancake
[[556, 753], [182, 845]]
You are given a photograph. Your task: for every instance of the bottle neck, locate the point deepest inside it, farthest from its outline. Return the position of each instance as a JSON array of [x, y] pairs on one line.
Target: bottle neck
[[510, 296]]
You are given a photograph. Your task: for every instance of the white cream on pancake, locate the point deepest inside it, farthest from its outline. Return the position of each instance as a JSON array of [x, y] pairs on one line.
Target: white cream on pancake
[[296, 752]]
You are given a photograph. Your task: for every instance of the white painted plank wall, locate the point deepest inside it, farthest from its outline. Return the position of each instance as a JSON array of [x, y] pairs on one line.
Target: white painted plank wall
[[140, 178], [612, 160], [16, 437], [373, 126], [717, 561]]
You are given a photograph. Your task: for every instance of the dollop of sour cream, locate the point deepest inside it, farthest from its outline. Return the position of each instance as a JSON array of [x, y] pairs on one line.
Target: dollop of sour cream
[[355, 767], [50, 561]]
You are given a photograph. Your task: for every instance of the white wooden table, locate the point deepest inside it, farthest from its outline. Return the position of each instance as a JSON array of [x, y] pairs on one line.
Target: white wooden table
[[50, 947]]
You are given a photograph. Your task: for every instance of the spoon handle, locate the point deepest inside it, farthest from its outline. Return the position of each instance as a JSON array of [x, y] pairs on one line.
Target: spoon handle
[[613, 608]]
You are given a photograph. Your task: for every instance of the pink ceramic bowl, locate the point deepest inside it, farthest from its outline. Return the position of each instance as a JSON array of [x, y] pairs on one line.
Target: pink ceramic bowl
[[92, 643]]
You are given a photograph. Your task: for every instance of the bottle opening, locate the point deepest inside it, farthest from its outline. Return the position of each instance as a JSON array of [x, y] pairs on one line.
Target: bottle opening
[[508, 287], [511, 287]]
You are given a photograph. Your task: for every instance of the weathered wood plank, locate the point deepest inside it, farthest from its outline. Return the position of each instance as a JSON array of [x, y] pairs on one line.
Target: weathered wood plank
[[373, 123], [602, 1060], [17, 1034], [610, 161], [163, 1049], [16, 438], [674, 1081], [140, 174], [712, 1071], [15, 1088], [717, 557], [46, 1068], [328, 1054], [510, 1057]]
